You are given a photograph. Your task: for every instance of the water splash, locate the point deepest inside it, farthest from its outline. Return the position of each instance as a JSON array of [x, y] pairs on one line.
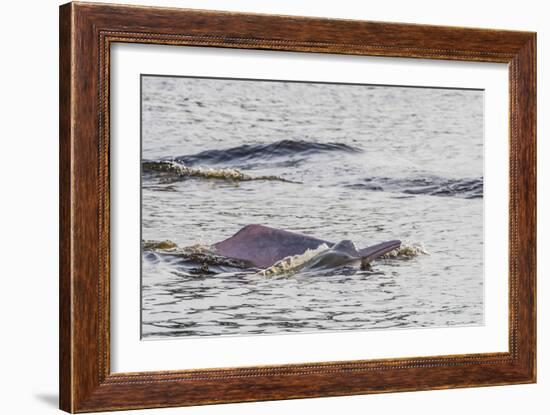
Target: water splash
[[176, 170], [196, 258], [159, 245], [407, 250], [292, 264]]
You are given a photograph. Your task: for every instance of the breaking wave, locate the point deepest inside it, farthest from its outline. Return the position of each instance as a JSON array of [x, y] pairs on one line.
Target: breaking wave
[[176, 170], [249, 152], [471, 188]]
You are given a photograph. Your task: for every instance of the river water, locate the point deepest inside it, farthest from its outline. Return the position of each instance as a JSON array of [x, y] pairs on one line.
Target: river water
[[358, 162]]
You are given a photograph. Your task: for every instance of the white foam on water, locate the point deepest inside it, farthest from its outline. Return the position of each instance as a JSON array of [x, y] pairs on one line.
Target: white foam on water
[[206, 172], [290, 264], [408, 249]]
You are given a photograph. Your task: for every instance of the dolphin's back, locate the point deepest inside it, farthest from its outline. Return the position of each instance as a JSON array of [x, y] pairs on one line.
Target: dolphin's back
[[263, 246]]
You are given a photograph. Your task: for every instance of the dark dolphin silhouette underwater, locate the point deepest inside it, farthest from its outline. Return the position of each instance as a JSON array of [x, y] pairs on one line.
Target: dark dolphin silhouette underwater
[[262, 246]]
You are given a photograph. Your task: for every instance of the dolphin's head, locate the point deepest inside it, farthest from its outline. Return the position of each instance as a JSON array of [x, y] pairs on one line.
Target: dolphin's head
[[343, 253], [372, 252]]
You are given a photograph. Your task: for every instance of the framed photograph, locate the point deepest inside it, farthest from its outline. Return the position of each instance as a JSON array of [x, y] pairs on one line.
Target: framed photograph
[[259, 207]]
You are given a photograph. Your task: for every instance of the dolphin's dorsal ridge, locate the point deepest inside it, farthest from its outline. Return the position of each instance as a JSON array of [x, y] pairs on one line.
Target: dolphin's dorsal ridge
[[263, 246]]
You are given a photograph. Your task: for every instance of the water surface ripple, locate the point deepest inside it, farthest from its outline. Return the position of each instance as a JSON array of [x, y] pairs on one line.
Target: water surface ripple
[[336, 162]]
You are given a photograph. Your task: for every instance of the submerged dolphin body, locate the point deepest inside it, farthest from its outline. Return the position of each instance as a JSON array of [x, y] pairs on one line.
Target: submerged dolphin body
[[262, 246]]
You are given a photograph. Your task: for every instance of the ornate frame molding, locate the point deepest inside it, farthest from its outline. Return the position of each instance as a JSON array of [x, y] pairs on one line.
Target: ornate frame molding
[[86, 33]]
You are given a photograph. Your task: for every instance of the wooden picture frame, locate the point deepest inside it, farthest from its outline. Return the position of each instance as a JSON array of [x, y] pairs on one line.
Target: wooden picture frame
[[86, 33]]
